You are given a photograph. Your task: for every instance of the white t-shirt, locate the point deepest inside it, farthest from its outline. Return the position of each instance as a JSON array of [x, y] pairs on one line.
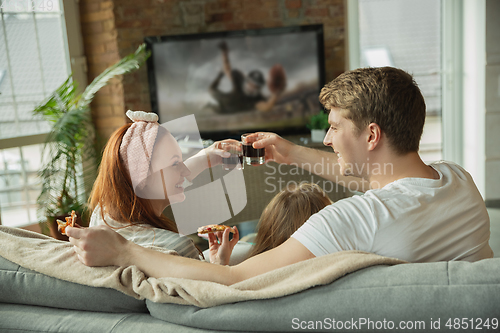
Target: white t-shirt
[[414, 219], [146, 235]]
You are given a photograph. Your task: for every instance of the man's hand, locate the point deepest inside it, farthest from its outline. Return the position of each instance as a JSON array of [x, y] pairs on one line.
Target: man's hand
[[220, 247], [278, 149], [99, 246]]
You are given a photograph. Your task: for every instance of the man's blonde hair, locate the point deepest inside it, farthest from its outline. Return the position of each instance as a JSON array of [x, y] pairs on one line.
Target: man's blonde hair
[[386, 96]]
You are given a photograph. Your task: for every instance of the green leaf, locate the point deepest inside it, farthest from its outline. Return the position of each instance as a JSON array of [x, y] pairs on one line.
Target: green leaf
[[128, 64], [71, 140]]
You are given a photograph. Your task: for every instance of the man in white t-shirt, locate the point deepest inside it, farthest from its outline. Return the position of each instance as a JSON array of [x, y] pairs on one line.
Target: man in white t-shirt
[[414, 219], [410, 210]]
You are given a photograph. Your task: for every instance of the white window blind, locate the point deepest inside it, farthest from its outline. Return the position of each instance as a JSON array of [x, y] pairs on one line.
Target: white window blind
[[34, 61], [405, 34]]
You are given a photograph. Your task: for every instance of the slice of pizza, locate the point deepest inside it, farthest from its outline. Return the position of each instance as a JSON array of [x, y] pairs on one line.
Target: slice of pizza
[[214, 228], [70, 221]]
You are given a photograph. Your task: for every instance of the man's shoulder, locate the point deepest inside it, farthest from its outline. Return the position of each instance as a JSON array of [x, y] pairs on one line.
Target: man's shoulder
[[451, 168], [408, 191]]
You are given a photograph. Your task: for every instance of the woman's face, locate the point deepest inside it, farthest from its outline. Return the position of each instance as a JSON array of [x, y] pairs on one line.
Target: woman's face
[[168, 171]]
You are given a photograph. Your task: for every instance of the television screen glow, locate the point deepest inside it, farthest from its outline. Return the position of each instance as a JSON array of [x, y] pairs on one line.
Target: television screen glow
[[250, 80]]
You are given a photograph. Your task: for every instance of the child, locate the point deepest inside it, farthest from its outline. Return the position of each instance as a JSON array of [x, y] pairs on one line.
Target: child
[[284, 214]]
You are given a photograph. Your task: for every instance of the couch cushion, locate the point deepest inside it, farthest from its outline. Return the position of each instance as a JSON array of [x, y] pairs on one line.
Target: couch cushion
[[28, 318], [409, 292], [23, 286]]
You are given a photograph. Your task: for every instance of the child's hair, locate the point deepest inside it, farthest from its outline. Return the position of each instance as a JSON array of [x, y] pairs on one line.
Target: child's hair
[[114, 193], [286, 212]]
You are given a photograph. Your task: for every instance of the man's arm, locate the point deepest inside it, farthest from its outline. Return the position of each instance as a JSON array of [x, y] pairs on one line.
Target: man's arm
[[319, 162], [324, 164], [101, 246]]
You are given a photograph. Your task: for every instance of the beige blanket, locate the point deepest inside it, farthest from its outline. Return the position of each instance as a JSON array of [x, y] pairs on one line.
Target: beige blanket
[[57, 258]]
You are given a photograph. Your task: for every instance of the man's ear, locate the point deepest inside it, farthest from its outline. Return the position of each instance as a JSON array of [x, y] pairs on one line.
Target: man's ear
[[374, 136]]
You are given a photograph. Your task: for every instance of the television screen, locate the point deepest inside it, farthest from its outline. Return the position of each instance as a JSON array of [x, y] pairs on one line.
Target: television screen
[[238, 81]]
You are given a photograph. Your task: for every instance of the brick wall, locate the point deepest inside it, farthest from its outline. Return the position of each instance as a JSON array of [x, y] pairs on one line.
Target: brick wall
[[113, 29], [101, 49]]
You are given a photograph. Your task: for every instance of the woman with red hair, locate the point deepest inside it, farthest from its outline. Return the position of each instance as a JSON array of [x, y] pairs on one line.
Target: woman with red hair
[[141, 173]]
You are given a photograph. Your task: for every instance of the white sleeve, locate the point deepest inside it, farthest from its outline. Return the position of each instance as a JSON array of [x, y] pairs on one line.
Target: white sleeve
[[240, 253], [146, 235], [345, 225]]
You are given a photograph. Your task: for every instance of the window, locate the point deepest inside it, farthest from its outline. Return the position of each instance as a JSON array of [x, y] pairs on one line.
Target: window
[[34, 61], [407, 34]]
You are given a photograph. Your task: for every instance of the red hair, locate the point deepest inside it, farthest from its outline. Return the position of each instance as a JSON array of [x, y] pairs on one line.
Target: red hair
[[114, 194]]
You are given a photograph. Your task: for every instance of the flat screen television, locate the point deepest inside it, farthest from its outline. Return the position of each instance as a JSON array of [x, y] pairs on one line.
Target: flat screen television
[[238, 81]]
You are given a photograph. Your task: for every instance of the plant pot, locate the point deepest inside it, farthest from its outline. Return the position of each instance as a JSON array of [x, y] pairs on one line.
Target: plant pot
[[317, 135]]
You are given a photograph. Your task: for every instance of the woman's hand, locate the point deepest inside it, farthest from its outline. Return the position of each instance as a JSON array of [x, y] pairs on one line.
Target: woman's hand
[[220, 247], [206, 158], [215, 153], [99, 246]]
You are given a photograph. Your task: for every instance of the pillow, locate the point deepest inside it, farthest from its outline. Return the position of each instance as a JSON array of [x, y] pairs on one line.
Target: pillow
[[409, 292], [23, 286]]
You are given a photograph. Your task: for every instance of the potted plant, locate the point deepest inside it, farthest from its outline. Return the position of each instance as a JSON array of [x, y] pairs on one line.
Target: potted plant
[[69, 153], [318, 124]]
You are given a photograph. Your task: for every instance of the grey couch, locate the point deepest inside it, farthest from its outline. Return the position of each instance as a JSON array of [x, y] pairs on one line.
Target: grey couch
[[373, 299]]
